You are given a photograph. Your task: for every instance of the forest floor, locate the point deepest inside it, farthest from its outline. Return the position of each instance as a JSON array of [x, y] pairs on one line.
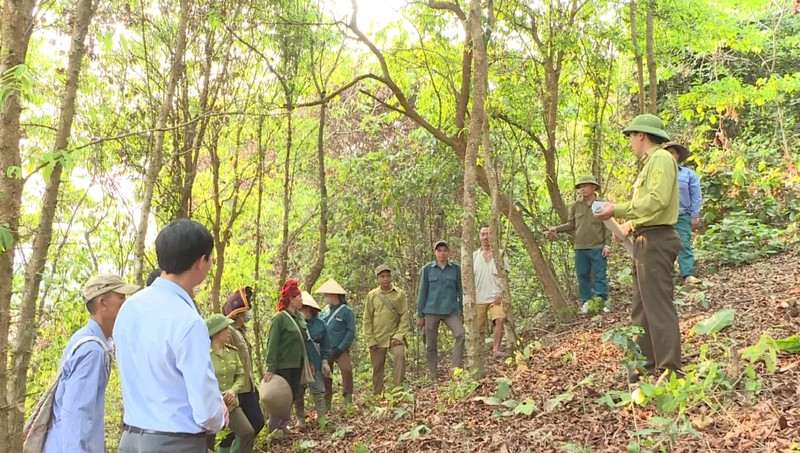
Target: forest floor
[[569, 373]]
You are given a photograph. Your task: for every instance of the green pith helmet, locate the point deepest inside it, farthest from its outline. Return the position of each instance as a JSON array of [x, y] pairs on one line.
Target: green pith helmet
[[647, 123], [216, 322], [587, 179]]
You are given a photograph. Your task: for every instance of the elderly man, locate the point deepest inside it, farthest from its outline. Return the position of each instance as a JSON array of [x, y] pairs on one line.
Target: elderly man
[[652, 213], [78, 407], [489, 296], [386, 325]]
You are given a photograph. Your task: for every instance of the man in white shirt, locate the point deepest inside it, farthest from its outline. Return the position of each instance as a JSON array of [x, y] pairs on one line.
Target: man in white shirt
[[489, 296]]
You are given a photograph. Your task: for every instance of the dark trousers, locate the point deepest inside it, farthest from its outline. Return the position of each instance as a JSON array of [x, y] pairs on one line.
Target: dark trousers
[[590, 265], [654, 252], [345, 365], [252, 410]]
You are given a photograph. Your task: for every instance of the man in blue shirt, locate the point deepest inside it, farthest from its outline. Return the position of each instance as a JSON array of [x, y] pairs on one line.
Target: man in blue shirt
[[688, 211], [170, 394], [78, 407], [440, 299]]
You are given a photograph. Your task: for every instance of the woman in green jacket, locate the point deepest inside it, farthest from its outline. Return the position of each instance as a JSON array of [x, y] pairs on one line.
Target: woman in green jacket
[[286, 344], [230, 375]]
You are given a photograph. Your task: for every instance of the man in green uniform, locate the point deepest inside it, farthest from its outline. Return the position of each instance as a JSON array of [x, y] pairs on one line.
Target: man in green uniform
[[592, 243], [386, 324], [651, 215]]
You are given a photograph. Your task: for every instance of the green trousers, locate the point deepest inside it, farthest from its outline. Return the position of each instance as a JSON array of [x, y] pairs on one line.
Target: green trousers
[[686, 255], [654, 252]]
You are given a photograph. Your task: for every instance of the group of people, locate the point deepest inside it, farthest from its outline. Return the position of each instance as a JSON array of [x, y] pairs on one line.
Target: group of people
[[185, 378]]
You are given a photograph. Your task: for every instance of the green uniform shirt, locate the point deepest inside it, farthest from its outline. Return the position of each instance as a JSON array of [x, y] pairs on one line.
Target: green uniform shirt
[[655, 192], [284, 344], [228, 370], [590, 233], [385, 317]]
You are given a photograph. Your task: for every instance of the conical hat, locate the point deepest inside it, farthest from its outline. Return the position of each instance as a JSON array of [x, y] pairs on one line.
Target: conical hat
[[309, 301], [331, 287], [276, 395]]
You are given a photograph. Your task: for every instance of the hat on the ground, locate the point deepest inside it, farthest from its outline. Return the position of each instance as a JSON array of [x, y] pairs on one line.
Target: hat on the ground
[[587, 179], [276, 395], [216, 322], [382, 268], [308, 300], [238, 302], [683, 153], [331, 287], [104, 283], [439, 243], [647, 123]]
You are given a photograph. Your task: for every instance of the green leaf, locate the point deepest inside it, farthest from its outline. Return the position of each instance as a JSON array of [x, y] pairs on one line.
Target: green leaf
[[6, 238], [553, 403], [715, 322], [788, 344], [503, 387], [527, 407], [488, 400]]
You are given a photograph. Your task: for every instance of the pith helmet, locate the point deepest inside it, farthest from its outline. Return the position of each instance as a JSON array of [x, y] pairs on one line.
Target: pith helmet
[[331, 287], [587, 179], [216, 322], [276, 395], [647, 123], [683, 152]]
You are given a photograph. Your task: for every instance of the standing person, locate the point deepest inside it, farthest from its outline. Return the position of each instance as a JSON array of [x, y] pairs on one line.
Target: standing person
[[341, 324], [285, 344], [386, 325], [440, 299], [651, 214], [169, 391], [238, 308], [231, 377], [489, 295], [691, 199], [317, 350], [592, 243], [79, 402]]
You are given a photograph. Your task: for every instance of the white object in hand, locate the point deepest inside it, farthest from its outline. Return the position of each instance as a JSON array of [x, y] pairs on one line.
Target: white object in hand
[[616, 230]]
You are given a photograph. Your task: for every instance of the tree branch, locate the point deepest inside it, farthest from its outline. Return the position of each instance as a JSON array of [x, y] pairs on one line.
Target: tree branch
[[455, 8]]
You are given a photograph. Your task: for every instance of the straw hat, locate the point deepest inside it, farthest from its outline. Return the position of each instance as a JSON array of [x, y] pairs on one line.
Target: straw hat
[[276, 395], [308, 301], [331, 287]]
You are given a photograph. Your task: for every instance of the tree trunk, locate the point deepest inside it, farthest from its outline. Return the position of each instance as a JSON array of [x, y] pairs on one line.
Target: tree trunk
[[26, 328], [637, 56], [652, 105], [15, 33], [257, 286], [322, 246], [156, 159], [479, 82], [283, 264], [552, 74]]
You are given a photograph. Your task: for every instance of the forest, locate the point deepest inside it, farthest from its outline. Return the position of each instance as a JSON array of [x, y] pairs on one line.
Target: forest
[[321, 138]]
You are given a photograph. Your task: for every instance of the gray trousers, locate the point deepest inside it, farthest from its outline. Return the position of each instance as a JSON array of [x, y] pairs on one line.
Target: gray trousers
[[454, 323], [160, 443]]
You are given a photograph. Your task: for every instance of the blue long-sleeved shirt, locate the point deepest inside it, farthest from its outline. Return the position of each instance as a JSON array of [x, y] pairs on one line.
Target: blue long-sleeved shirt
[[689, 190], [342, 327], [440, 290], [78, 406], [317, 346], [168, 381]]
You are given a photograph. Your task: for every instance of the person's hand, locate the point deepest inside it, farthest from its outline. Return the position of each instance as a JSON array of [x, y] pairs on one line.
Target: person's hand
[[498, 299], [335, 353], [396, 342], [606, 251], [606, 212], [229, 397], [421, 322], [267, 376], [326, 369], [551, 232], [695, 224]]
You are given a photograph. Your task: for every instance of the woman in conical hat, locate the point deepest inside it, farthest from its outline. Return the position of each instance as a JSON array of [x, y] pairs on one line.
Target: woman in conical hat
[[341, 324]]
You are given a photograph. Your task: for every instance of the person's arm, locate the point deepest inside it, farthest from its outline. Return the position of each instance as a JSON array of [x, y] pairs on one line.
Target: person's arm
[[239, 380], [422, 294], [273, 337], [325, 345], [404, 328], [202, 389], [350, 329], [78, 417], [660, 180], [369, 313], [695, 195], [570, 224]]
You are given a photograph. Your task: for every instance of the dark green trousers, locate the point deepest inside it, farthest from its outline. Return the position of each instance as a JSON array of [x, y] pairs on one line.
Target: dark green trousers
[[654, 252]]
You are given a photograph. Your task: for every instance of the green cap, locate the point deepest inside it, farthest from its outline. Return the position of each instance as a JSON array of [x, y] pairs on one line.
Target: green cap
[[216, 322], [382, 268], [587, 179], [647, 123]]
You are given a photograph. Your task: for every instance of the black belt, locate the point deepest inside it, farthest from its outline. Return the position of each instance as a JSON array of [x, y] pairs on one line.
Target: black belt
[[649, 228], [135, 430]]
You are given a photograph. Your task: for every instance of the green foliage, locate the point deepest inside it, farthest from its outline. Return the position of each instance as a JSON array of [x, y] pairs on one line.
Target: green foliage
[[304, 445], [461, 385], [765, 349], [740, 238], [15, 80], [714, 323], [661, 435], [415, 433], [507, 407], [595, 305], [625, 338], [6, 238]]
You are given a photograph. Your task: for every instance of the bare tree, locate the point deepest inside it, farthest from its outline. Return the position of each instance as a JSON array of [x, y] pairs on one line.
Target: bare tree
[[652, 87], [637, 56]]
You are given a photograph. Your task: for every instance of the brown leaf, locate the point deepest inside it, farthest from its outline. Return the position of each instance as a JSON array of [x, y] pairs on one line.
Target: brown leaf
[[701, 421]]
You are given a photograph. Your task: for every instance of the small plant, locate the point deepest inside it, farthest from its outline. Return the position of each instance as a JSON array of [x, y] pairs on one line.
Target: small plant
[[460, 386], [595, 305], [508, 407], [304, 445], [625, 338], [662, 435], [415, 432]]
